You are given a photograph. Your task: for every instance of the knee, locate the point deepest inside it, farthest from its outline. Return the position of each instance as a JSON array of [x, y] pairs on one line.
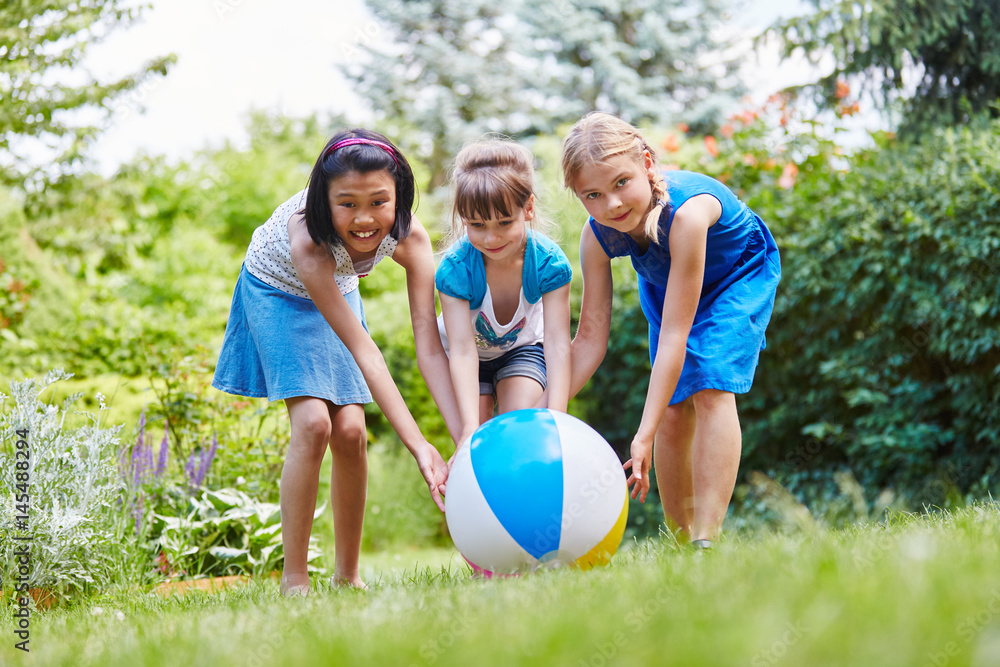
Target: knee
[[711, 400], [311, 431], [676, 414], [349, 439]]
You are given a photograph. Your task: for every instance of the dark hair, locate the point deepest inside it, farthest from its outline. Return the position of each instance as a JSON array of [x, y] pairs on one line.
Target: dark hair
[[362, 158]]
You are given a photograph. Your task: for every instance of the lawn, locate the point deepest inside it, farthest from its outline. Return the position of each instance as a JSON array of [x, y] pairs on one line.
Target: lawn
[[909, 590]]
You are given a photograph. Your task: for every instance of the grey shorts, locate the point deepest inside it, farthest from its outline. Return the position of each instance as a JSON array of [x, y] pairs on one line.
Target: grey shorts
[[527, 361]]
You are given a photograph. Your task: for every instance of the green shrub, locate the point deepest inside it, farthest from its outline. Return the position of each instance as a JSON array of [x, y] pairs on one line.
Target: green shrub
[[885, 342], [218, 533], [71, 493]]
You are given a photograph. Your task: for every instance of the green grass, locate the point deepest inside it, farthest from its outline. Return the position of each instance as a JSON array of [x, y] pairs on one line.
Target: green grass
[[911, 590]]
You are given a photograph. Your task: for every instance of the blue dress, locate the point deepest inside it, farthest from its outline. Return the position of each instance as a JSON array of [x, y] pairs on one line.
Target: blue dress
[[742, 270]]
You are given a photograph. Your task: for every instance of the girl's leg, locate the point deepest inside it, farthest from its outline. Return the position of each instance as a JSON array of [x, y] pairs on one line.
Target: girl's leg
[[348, 489], [311, 427], [486, 405], [517, 392], [672, 461], [718, 443]]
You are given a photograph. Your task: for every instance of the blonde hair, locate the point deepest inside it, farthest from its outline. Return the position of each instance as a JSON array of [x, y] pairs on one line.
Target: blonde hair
[[493, 176], [599, 136]]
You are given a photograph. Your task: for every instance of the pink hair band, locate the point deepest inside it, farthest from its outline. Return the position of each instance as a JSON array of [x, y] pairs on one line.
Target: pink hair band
[[356, 141]]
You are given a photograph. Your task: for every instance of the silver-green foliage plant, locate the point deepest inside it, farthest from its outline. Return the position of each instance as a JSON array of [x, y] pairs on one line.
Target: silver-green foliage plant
[[75, 525]]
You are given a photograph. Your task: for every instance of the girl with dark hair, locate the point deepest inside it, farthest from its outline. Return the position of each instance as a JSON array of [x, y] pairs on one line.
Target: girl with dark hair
[[297, 333]]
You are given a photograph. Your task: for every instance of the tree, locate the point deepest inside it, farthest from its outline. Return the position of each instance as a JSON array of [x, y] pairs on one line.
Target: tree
[[651, 61], [951, 48], [453, 70], [39, 41], [447, 71]]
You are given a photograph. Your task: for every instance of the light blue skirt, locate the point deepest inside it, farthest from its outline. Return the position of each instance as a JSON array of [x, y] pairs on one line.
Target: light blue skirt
[[280, 346]]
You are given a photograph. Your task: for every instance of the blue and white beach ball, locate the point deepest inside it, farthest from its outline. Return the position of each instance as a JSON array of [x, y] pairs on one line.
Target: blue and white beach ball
[[536, 488]]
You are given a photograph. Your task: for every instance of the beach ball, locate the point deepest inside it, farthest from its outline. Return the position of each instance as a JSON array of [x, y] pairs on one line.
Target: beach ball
[[536, 488]]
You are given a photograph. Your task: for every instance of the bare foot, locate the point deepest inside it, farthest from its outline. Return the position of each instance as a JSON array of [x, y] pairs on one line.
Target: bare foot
[[338, 581], [295, 591], [294, 585]]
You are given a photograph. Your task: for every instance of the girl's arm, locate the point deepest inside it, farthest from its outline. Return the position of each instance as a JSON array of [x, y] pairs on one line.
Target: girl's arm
[[591, 341], [416, 255], [464, 362], [687, 244], [555, 308], [315, 268]]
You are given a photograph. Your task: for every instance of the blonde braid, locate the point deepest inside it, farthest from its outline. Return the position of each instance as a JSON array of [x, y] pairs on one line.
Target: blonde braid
[[660, 196]]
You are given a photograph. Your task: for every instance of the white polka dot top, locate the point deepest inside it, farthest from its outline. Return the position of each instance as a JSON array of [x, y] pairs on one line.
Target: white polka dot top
[[269, 257]]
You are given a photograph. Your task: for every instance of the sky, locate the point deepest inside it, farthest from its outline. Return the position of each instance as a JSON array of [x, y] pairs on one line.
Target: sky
[[235, 55]]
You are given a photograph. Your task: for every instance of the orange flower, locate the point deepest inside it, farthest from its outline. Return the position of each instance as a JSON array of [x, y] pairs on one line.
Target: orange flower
[[727, 130], [683, 128], [781, 99], [749, 160], [843, 90], [788, 175], [670, 143], [711, 145], [15, 286], [848, 109]]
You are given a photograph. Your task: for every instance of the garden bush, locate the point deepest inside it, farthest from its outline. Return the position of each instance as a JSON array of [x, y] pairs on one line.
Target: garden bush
[[70, 490]]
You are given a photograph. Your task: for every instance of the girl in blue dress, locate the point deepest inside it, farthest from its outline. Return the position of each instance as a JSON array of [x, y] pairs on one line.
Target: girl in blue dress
[[297, 333], [504, 290], [708, 269]]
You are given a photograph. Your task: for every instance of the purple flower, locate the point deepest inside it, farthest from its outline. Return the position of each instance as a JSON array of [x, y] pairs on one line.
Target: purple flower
[[161, 462], [207, 456], [191, 470], [137, 513], [199, 462], [137, 463], [142, 455]]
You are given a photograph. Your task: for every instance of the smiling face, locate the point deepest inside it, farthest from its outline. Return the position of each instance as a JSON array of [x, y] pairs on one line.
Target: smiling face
[[617, 192], [501, 237], [363, 206]]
